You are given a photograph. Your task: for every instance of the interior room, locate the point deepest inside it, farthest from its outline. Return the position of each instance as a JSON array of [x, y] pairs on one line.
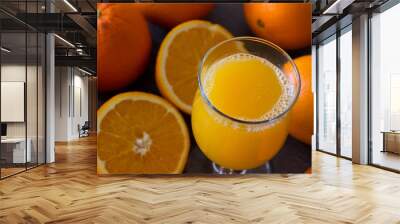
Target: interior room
[[48, 119], [22, 101], [72, 95], [333, 58], [385, 76], [48, 84]]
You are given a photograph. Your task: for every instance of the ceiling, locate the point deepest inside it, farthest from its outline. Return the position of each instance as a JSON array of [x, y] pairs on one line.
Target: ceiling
[[72, 20], [16, 43], [39, 6]]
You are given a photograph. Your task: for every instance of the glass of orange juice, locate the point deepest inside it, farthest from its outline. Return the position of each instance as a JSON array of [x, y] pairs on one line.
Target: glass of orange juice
[[240, 113]]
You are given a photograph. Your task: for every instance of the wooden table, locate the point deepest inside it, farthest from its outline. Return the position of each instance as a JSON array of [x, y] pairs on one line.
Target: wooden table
[[391, 141]]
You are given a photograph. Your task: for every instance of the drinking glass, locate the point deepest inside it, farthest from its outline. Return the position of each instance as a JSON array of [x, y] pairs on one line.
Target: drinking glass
[[234, 144]]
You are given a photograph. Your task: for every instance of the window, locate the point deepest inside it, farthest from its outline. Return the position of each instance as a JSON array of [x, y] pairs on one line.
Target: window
[[345, 43], [326, 56], [334, 94], [385, 89], [22, 78], [394, 117]]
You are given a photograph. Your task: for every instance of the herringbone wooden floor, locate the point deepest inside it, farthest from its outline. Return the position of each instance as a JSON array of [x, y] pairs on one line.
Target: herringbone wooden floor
[[70, 192]]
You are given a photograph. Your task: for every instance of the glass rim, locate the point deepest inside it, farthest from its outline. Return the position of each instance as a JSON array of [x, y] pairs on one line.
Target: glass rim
[[254, 39]]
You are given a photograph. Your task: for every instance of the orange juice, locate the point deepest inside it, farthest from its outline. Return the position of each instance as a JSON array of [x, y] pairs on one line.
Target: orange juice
[[247, 91]]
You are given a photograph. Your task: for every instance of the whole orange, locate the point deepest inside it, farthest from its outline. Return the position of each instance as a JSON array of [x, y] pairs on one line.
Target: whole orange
[[286, 24], [302, 114], [171, 14], [123, 45]]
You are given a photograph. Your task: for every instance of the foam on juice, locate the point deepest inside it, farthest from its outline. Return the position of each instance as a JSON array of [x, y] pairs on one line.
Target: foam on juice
[[287, 89]]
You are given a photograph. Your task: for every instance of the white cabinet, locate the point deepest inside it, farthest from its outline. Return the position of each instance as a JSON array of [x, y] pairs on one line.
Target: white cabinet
[[19, 155]]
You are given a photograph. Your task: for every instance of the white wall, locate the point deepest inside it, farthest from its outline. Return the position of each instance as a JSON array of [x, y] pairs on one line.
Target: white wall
[[62, 80], [12, 73], [33, 127], [70, 83], [81, 84]]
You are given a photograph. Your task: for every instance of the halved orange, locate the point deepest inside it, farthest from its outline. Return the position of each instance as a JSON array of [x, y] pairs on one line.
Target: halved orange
[[179, 56], [141, 133]]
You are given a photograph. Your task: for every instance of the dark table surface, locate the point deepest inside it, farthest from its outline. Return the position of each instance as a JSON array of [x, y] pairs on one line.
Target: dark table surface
[[294, 157]]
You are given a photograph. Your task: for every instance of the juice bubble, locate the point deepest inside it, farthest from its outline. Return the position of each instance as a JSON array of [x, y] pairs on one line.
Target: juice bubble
[[287, 88]]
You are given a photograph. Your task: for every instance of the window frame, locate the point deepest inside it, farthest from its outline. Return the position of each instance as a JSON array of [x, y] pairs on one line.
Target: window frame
[[25, 30], [380, 9], [334, 37]]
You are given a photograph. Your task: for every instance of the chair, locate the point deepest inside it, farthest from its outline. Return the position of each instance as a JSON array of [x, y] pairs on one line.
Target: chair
[[84, 129]]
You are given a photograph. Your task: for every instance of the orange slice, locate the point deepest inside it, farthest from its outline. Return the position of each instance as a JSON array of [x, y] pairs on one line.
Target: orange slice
[[179, 56], [140, 133]]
